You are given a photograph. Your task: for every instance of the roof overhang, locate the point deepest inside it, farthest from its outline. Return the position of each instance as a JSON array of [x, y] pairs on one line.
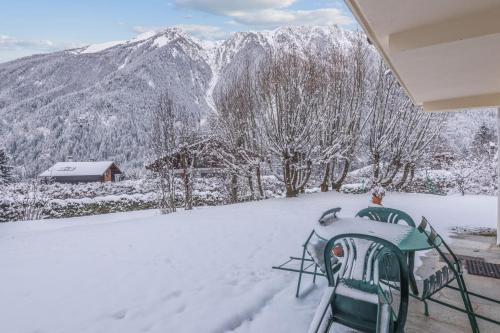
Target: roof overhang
[[445, 53]]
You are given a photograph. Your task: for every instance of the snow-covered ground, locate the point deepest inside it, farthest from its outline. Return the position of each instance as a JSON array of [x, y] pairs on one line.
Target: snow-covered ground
[[206, 270]]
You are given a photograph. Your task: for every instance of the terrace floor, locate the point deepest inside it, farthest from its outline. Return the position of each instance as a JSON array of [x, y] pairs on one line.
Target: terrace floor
[[442, 319]]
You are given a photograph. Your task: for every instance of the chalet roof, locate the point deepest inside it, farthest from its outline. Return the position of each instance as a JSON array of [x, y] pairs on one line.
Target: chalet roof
[[203, 154], [61, 169]]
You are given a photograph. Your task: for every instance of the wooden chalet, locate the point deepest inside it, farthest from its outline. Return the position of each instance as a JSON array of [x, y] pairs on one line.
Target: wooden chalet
[[83, 172], [205, 162]]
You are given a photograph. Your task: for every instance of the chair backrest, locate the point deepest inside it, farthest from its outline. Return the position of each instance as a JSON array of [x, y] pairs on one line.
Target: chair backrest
[[359, 254], [388, 215], [434, 239], [329, 216], [315, 246], [363, 258]]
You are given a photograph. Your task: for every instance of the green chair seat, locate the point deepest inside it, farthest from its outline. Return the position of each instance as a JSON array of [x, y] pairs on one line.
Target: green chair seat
[[358, 289], [356, 305]]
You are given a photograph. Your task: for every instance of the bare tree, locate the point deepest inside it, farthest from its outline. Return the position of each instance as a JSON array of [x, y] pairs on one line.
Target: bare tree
[[288, 114], [176, 143], [239, 139], [191, 147], [164, 143], [418, 148], [463, 174], [343, 92], [399, 133], [34, 199]]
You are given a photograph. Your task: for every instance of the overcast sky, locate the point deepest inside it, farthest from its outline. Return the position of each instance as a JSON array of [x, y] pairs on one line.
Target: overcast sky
[[37, 26]]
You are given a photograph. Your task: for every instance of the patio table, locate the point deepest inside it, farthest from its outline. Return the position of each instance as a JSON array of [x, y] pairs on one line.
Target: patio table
[[411, 239], [406, 238]]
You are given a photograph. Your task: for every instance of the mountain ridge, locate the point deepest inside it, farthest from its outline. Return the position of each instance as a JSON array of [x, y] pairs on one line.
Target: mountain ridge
[[92, 102]]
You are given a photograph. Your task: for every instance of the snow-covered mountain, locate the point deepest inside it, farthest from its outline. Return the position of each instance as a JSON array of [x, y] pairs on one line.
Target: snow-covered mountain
[[93, 102]]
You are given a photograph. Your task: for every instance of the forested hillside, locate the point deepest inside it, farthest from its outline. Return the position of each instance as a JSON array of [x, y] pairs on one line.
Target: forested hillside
[[94, 102]]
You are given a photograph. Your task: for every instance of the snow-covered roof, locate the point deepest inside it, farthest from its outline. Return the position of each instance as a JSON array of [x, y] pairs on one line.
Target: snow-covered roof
[[61, 169]]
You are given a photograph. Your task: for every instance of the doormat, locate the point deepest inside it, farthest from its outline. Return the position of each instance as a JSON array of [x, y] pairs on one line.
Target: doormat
[[462, 258], [481, 268]]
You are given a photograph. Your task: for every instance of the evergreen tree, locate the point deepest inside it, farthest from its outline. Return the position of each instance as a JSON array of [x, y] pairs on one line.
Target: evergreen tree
[[484, 140], [5, 168]]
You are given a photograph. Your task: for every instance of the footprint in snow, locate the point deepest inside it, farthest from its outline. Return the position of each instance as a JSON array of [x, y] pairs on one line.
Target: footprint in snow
[[180, 309], [173, 294], [119, 314]]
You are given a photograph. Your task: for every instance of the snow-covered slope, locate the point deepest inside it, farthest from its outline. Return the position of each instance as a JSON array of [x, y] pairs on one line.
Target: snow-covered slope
[[206, 270], [93, 102]]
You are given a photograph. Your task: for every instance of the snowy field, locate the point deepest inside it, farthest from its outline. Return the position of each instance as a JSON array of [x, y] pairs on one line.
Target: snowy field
[[206, 270]]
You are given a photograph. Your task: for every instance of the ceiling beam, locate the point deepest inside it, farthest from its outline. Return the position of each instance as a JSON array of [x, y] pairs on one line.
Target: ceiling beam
[[451, 30], [479, 101]]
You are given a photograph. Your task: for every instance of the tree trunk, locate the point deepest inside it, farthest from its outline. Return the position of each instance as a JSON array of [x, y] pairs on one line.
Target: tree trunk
[[290, 192], [296, 176], [376, 167], [259, 182], [167, 192], [188, 190], [388, 181], [250, 186], [287, 177], [302, 178], [336, 185], [326, 176], [402, 182], [234, 189], [412, 174], [171, 199]]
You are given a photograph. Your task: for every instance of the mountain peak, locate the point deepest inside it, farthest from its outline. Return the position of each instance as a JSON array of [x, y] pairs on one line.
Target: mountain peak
[[159, 37], [64, 103]]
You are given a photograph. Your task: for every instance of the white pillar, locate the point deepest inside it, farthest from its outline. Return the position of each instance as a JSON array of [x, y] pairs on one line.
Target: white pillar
[[498, 176]]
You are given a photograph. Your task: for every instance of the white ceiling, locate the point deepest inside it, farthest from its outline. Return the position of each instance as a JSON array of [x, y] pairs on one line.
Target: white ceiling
[[446, 53]]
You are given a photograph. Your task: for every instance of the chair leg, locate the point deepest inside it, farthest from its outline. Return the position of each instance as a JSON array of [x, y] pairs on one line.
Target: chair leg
[[461, 285], [426, 308], [467, 303], [301, 270], [298, 286], [315, 271], [411, 267]]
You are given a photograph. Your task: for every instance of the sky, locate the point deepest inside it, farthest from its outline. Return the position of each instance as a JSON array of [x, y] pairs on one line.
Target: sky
[[38, 26]]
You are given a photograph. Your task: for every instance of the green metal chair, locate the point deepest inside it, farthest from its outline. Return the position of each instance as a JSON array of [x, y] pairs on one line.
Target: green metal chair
[[395, 216], [388, 215], [356, 296], [443, 278], [312, 260]]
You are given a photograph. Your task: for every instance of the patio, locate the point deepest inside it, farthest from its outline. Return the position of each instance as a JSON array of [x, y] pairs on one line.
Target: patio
[[442, 319], [444, 54], [359, 258]]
